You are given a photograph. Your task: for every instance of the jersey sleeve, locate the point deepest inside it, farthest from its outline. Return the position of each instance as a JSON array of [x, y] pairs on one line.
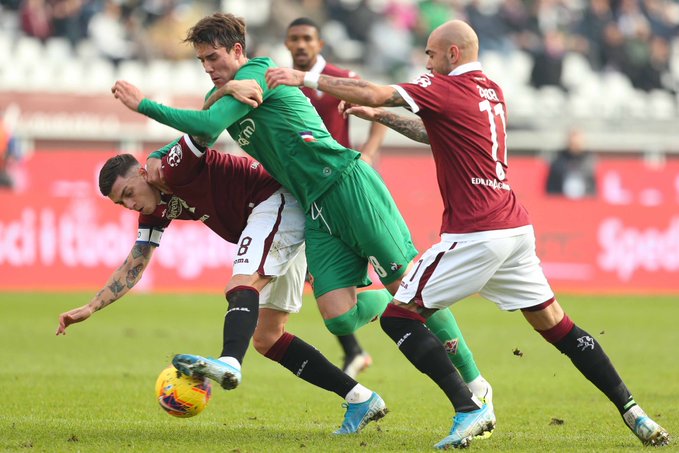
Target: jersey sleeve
[[423, 94], [199, 123], [181, 161]]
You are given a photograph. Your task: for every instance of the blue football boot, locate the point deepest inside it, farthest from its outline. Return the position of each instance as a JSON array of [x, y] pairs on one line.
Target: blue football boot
[[360, 414], [194, 365]]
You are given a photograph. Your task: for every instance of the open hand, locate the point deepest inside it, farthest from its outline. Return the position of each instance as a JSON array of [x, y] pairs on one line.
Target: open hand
[[128, 94], [73, 316]]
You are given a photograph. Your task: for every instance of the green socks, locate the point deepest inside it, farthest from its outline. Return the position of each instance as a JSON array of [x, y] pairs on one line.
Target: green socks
[[370, 305], [444, 326]]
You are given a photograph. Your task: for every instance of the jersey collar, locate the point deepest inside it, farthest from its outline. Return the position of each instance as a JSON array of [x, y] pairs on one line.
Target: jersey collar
[[467, 67]]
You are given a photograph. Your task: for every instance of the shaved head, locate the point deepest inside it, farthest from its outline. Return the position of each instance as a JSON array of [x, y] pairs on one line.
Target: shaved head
[[453, 43]]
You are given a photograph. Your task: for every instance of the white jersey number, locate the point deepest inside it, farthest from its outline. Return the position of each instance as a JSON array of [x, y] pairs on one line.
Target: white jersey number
[[496, 119]]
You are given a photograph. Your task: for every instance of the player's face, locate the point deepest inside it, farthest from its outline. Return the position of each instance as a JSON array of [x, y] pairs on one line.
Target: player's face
[[219, 64], [438, 56], [133, 192], [304, 45]]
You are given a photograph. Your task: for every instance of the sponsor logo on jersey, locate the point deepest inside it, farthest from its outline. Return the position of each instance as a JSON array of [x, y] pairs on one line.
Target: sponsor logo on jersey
[[247, 130], [174, 156], [241, 261], [493, 183], [307, 136], [395, 266], [175, 207], [451, 346]]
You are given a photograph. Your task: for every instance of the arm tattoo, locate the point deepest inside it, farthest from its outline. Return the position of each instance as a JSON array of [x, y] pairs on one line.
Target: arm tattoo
[[116, 287], [133, 275], [410, 127], [141, 250], [395, 100]]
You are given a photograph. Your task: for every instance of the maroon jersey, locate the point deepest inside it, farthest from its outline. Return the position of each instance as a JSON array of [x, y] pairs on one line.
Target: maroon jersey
[[216, 188], [326, 104], [464, 115]]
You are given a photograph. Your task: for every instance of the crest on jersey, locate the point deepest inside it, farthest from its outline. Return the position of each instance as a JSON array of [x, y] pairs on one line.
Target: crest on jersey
[[174, 156], [423, 80]]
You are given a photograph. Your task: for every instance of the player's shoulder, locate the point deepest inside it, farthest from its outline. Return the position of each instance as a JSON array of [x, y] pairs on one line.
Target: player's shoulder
[[336, 71], [265, 62]]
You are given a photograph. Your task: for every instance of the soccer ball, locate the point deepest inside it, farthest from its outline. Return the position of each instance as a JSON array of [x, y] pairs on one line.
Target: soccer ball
[[180, 395]]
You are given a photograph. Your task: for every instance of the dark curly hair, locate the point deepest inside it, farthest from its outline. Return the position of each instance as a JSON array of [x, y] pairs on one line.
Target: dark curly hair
[[114, 167], [218, 30]]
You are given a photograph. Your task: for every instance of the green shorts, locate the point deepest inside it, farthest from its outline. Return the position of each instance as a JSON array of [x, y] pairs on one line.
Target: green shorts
[[354, 223]]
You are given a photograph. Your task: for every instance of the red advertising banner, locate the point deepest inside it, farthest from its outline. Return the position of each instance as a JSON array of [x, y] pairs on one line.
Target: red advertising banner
[[58, 233]]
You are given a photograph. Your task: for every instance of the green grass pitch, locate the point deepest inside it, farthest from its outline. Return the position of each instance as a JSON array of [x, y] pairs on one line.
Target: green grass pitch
[[93, 390]]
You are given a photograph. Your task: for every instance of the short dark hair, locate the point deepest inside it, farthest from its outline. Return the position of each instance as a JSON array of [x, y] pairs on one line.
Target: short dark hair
[[114, 167], [218, 30], [304, 21]]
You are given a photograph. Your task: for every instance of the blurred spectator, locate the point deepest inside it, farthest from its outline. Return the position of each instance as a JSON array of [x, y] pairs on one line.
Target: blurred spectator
[[591, 29], [165, 37], [36, 19], [548, 61], [572, 172], [485, 18], [432, 13], [109, 35], [66, 19]]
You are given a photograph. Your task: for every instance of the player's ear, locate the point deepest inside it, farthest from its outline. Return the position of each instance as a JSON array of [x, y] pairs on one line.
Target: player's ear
[[143, 172], [237, 50]]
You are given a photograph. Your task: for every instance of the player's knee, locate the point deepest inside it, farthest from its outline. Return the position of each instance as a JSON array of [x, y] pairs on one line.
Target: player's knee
[[341, 325], [262, 342]]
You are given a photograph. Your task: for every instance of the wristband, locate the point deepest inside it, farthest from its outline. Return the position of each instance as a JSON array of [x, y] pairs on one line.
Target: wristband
[[311, 80]]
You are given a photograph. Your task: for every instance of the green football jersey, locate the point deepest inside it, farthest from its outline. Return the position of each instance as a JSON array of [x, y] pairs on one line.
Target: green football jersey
[[285, 133]]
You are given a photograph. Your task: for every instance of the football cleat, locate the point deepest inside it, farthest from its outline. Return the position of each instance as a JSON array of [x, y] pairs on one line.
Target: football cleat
[[360, 414], [649, 432], [194, 365], [486, 398], [356, 363], [466, 426]]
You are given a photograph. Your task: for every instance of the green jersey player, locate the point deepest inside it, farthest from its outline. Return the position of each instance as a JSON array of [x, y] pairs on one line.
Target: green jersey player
[[351, 218]]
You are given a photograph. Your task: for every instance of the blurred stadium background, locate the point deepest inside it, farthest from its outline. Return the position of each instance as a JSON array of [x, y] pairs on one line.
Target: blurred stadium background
[[608, 68]]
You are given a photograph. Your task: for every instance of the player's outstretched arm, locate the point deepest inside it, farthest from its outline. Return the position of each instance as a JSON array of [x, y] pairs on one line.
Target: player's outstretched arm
[[118, 284], [246, 91], [356, 91], [411, 127]]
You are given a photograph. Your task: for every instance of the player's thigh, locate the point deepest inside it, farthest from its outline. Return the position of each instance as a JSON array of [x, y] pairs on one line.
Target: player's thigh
[[284, 292], [333, 264], [519, 282], [448, 272], [362, 213], [272, 238]]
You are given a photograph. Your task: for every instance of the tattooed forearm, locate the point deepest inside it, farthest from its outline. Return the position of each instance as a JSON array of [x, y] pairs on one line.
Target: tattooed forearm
[[116, 287], [141, 250], [410, 127], [133, 275]]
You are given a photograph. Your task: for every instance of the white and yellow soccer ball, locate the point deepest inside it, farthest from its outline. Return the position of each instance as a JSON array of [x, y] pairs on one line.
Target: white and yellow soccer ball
[[180, 395]]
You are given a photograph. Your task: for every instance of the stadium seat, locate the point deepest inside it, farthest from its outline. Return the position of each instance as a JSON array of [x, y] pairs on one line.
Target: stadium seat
[[28, 50], [58, 49], [575, 69], [132, 71]]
